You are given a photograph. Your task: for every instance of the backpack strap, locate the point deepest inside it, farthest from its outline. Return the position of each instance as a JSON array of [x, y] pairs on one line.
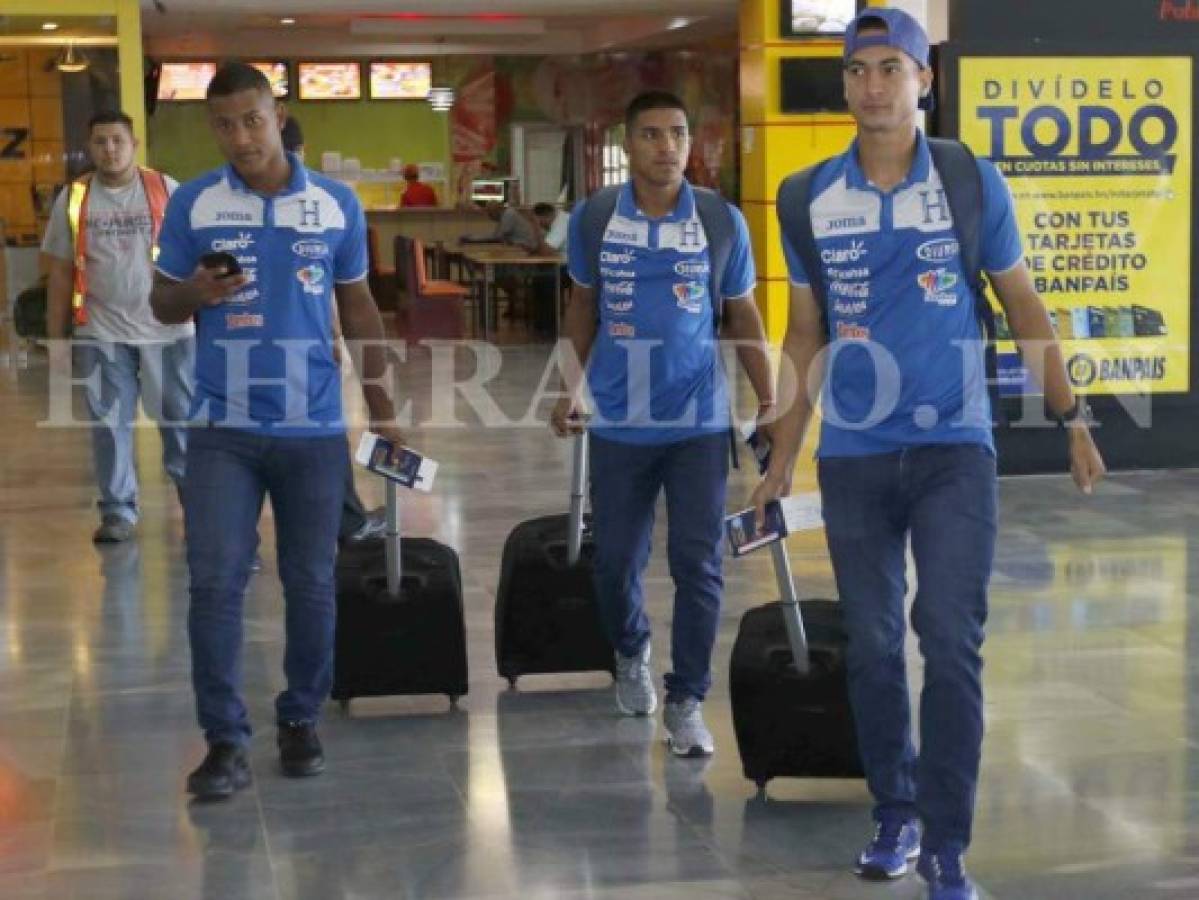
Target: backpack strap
[[958, 168], [714, 214], [597, 210], [794, 207]]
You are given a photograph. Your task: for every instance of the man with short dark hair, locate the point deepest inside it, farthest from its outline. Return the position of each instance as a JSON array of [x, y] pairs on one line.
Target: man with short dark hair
[[416, 193], [891, 271], [647, 306], [269, 404], [100, 241]]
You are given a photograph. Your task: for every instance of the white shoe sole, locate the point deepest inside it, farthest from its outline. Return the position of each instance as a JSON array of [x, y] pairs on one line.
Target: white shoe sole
[[637, 713], [694, 751]]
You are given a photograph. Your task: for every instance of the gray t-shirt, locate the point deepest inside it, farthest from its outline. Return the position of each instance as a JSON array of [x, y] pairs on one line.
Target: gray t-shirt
[[514, 228], [119, 269]]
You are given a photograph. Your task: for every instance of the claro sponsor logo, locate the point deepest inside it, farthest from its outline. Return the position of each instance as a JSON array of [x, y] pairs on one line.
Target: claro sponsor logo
[[623, 258], [243, 241], [848, 254]]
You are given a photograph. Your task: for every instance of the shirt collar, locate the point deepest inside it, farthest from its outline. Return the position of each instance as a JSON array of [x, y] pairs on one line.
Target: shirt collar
[[921, 164], [296, 184], [684, 210]]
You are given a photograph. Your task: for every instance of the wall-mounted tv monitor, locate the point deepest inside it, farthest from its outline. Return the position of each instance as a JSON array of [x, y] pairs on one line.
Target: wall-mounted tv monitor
[[400, 80], [811, 84], [817, 18], [184, 80], [329, 80], [277, 75]]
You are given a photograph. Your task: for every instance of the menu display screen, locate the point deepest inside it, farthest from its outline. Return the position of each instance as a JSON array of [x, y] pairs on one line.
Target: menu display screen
[[185, 80], [277, 75], [811, 18], [330, 81], [400, 80]]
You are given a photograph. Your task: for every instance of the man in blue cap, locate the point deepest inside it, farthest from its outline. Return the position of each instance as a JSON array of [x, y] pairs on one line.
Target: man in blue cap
[[906, 451]]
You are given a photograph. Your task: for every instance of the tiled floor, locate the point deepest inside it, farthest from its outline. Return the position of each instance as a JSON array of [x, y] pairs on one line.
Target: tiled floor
[[1091, 767]]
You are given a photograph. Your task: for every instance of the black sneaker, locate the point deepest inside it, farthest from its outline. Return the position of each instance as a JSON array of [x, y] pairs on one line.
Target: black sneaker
[[223, 772], [300, 751]]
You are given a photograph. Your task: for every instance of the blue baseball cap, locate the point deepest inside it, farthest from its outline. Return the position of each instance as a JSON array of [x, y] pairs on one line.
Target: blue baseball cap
[[901, 32]]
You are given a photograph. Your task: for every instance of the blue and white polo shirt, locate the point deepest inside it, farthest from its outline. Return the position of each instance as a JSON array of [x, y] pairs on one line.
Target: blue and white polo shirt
[[906, 354], [654, 371], [294, 246]]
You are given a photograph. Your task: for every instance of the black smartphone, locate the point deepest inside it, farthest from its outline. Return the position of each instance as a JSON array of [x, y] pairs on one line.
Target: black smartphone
[[219, 259]]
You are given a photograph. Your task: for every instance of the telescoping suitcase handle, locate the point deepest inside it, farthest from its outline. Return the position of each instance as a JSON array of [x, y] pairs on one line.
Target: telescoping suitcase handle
[[391, 537], [578, 498], [789, 603]]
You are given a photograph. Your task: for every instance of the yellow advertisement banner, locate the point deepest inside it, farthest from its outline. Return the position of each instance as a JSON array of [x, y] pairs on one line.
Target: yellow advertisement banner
[[1097, 152]]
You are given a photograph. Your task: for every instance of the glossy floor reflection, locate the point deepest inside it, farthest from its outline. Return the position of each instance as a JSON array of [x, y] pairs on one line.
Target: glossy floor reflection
[[1091, 768]]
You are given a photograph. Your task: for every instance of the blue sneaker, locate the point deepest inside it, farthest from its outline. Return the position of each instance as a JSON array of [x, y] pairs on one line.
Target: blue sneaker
[[946, 875], [896, 840]]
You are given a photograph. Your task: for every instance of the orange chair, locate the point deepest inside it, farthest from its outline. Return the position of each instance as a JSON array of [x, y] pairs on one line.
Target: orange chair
[[435, 308], [382, 280]]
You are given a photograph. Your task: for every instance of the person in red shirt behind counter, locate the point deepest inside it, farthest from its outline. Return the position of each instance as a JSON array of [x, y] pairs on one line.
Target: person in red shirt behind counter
[[417, 193]]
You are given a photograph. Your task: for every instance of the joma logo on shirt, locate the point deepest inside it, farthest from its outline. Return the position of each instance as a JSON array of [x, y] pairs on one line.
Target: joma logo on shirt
[[227, 216]]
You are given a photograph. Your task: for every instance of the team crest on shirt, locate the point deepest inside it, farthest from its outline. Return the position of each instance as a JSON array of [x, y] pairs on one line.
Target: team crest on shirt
[[689, 295], [312, 278], [938, 285]]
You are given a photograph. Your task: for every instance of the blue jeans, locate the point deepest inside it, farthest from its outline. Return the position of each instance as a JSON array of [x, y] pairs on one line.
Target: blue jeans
[[162, 375], [943, 496], [625, 482], [228, 474]]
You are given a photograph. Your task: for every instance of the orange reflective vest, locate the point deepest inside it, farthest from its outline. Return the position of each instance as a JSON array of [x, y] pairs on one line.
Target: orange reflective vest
[[155, 186]]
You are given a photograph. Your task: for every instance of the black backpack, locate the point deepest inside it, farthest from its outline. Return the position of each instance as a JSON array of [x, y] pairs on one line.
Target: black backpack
[[958, 168]]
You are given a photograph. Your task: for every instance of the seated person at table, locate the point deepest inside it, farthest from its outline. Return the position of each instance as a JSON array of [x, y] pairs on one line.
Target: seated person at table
[[417, 193], [512, 227], [554, 224]]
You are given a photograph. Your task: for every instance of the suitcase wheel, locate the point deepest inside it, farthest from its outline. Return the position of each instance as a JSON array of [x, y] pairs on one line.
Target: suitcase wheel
[[512, 682], [453, 700]]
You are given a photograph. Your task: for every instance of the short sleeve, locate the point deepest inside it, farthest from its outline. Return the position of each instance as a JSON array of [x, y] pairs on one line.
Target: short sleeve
[[57, 240], [739, 273], [1001, 248], [351, 263], [577, 263], [177, 256]]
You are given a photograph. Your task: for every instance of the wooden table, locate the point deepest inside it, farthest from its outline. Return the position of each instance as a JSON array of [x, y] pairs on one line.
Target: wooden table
[[482, 259]]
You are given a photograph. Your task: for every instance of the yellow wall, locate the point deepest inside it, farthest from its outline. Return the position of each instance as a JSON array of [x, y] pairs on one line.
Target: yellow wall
[[129, 46], [773, 145]]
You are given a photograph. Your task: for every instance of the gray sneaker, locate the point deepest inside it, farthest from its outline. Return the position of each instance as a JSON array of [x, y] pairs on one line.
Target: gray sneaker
[[686, 733], [113, 529], [635, 694]]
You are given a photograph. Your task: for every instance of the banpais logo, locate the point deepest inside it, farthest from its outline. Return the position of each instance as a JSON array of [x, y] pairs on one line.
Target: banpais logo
[[938, 251], [310, 249]]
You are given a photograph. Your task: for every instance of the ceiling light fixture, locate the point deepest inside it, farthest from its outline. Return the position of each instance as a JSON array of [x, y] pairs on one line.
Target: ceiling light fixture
[[49, 26], [676, 24], [287, 20], [441, 98], [69, 61]]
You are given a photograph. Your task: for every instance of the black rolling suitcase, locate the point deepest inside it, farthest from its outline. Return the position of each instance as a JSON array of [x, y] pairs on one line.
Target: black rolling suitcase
[[787, 681], [546, 617], [400, 628]]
